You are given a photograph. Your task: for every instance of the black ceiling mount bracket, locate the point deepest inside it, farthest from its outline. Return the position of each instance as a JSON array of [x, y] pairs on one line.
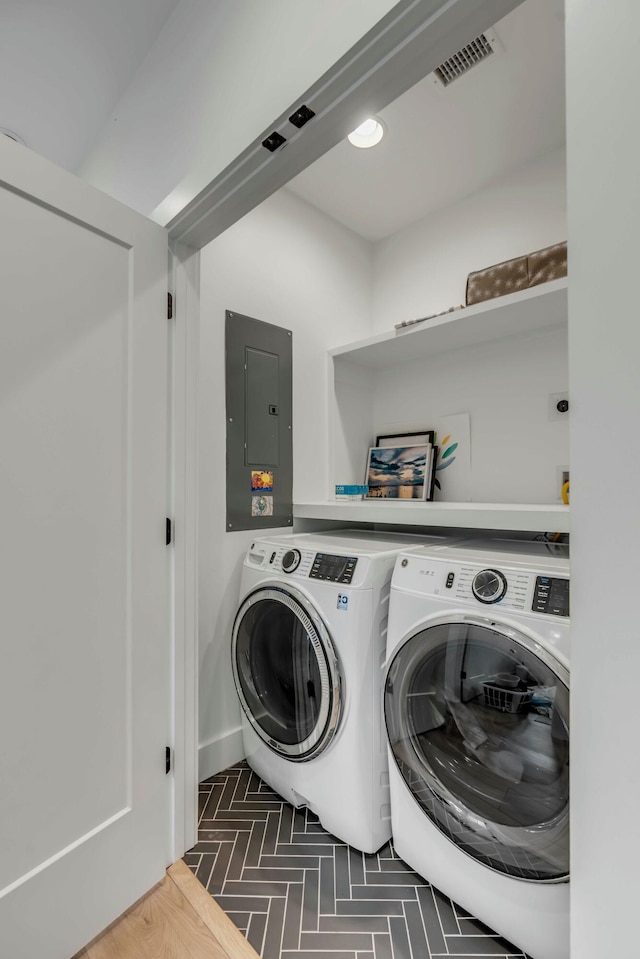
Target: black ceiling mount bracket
[[273, 141], [302, 115]]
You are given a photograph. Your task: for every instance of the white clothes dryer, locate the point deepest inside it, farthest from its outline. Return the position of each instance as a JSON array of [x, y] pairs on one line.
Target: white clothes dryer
[[476, 704], [308, 646]]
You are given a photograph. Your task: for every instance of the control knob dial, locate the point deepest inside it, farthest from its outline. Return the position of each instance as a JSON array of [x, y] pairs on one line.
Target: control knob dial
[[489, 586], [291, 560]]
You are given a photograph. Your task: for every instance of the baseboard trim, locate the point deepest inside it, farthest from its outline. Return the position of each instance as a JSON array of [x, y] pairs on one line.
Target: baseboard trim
[[219, 753]]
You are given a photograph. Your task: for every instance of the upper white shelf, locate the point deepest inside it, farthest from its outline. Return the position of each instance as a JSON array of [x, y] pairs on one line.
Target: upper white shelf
[[507, 516], [538, 308]]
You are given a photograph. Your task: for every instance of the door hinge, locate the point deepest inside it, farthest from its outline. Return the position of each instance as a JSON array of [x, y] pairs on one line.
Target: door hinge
[[167, 760], [169, 532], [169, 306]]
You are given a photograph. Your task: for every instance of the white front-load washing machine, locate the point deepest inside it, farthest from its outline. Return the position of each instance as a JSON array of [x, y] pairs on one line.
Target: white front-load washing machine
[[308, 645], [476, 704]]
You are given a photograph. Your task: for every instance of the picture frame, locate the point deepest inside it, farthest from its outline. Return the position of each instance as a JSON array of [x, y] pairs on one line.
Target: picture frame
[[417, 438], [399, 472]]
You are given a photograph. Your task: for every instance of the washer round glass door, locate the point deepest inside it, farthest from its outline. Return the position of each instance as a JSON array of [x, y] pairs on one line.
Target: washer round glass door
[[286, 672], [477, 716]]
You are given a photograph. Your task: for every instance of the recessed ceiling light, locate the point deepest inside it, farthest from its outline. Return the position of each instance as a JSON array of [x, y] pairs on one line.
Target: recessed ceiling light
[[368, 133]]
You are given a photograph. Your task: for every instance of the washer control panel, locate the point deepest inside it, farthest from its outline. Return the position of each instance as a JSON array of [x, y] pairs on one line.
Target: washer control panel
[[333, 569], [302, 563], [515, 588], [551, 596]]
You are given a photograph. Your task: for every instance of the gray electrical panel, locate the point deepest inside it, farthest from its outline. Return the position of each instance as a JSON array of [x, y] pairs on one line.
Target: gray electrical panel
[[258, 371]]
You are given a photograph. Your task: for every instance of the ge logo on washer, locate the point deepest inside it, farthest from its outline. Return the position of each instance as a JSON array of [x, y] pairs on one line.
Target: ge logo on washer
[[343, 601]]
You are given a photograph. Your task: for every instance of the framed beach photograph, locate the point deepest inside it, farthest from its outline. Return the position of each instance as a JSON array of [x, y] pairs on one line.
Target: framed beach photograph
[[419, 438], [398, 472]]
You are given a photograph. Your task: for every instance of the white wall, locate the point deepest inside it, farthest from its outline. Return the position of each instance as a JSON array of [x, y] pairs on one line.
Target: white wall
[[287, 264], [423, 269], [603, 150], [516, 450], [217, 76]]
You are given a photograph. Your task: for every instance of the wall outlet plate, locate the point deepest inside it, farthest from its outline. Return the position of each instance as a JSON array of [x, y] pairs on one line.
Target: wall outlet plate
[[554, 412], [562, 477]]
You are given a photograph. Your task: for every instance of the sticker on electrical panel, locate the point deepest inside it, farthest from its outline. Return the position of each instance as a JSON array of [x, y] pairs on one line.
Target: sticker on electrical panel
[[262, 480], [262, 505]]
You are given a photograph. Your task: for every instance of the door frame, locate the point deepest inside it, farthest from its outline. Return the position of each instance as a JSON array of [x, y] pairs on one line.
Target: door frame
[[401, 49]]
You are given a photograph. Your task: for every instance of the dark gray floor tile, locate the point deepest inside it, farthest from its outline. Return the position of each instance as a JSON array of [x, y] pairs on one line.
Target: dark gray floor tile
[[383, 892], [369, 907], [251, 904], [219, 872], [353, 924], [221, 825], [382, 947], [415, 929], [319, 838], [241, 888], [310, 900], [258, 874], [241, 813], [271, 834], [228, 793], [431, 918], [211, 806], [236, 865], [479, 946], [330, 941], [306, 954], [286, 824], [255, 932], [448, 918], [273, 933], [341, 865], [391, 879], [327, 887], [300, 849], [290, 862], [397, 865], [205, 867], [356, 866], [242, 786], [300, 893], [472, 927], [293, 917], [254, 849], [399, 939]]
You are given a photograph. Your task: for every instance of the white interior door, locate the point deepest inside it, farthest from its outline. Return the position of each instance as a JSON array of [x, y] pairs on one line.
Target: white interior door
[[84, 613]]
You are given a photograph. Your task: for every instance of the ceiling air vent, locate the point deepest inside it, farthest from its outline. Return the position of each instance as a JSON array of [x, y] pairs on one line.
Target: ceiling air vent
[[466, 58]]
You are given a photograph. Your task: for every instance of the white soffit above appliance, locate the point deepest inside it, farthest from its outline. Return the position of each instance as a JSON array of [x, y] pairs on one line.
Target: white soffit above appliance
[[446, 142]]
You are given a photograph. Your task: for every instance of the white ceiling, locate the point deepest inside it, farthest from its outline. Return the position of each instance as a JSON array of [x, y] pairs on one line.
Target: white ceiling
[[64, 64], [444, 144]]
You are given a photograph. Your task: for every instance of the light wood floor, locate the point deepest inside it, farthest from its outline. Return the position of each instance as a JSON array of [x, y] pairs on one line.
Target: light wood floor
[[177, 919]]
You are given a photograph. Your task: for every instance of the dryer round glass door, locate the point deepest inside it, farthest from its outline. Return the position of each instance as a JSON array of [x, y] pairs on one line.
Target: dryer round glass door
[[477, 716], [286, 672]]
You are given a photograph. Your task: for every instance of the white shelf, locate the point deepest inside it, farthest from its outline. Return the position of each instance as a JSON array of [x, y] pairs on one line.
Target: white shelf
[[505, 516], [541, 307]]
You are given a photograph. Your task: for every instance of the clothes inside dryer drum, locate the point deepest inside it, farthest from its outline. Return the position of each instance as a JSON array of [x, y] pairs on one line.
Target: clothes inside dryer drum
[[283, 672], [479, 729]]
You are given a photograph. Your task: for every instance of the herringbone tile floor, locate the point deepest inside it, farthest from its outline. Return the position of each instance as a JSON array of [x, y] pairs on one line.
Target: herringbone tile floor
[[296, 892]]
